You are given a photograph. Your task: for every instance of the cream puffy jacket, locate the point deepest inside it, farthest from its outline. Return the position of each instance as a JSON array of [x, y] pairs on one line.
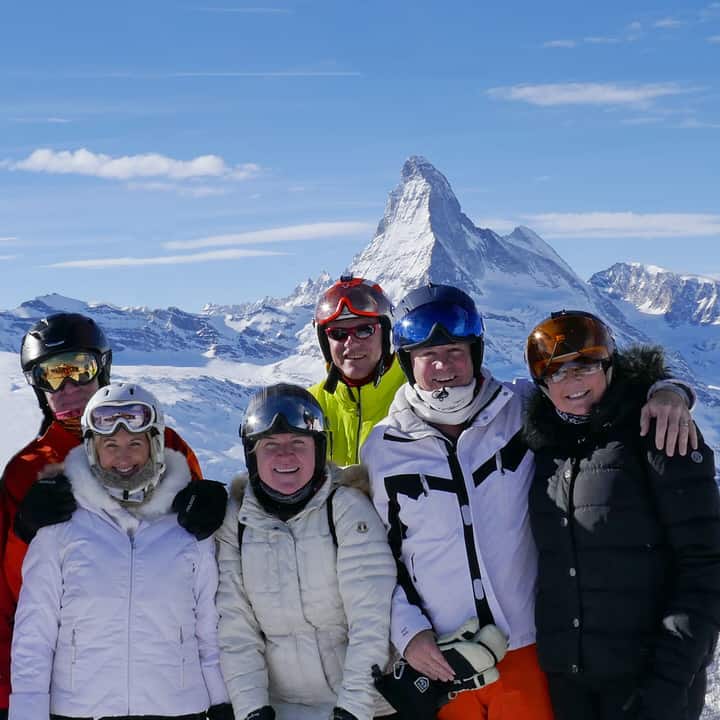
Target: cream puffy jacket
[[301, 620], [116, 614], [457, 516]]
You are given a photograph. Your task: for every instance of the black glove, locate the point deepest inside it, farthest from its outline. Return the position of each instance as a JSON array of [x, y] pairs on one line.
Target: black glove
[[339, 713], [221, 712], [200, 506], [263, 713], [656, 700], [48, 502], [3, 714]]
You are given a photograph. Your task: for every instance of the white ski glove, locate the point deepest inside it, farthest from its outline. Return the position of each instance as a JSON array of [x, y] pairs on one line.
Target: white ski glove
[[473, 653]]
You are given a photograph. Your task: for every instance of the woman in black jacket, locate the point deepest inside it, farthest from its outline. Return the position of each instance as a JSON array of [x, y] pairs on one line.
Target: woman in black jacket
[[628, 603]]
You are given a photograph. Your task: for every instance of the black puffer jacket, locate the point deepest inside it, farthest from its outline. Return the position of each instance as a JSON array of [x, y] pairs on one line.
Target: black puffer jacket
[[628, 541]]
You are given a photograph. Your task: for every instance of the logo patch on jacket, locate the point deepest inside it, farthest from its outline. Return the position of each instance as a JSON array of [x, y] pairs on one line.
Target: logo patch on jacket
[[362, 527]]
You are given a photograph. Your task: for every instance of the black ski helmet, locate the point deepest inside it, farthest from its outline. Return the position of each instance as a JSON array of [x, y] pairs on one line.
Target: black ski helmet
[[60, 333], [284, 408], [437, 315]]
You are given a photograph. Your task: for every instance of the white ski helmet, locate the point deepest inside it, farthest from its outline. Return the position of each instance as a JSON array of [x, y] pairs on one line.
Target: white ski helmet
[[137, 410]]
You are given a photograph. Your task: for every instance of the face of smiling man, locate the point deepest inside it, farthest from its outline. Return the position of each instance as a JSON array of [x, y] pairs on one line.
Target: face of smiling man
[[354, 357], [442, 366], [285, 461]]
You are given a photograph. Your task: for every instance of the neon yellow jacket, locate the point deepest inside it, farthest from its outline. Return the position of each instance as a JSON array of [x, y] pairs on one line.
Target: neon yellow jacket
[[353, 412]]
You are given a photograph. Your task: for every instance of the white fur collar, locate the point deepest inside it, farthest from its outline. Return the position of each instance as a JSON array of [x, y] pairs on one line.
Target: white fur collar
[[90, 494]]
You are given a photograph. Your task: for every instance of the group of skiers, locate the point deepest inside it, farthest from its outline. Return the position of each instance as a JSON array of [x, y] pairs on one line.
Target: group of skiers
[[412, 538]]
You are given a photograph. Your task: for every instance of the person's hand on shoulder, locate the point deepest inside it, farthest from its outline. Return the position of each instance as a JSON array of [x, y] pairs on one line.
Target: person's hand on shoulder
[[200, 507], [49, 501], [674, 426]]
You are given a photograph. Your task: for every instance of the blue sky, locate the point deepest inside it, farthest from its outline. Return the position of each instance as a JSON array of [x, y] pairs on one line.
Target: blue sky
[[177, 153]]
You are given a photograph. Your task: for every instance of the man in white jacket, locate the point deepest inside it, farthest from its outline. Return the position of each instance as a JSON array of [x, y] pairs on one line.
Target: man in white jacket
[[449, 475]]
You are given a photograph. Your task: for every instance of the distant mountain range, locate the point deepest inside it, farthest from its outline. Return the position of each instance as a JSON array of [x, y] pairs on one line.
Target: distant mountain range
[[203, 366], [423, 236]]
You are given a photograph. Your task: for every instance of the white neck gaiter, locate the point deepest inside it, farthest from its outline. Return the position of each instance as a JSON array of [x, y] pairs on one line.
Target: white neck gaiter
[[445, 406]]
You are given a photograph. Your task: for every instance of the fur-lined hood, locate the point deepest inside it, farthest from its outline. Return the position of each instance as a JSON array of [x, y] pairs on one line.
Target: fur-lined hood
[[91, 495], [354, 476], [634, 372]]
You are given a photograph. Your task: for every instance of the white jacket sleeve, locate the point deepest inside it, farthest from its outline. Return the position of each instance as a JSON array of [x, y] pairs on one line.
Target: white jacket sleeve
[[242, 647], [37, 622], [366, 578], [407, 618], [206, 622]]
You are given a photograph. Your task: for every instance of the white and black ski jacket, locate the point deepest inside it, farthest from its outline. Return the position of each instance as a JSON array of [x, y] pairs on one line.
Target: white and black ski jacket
[[117, 614], [457, 517]]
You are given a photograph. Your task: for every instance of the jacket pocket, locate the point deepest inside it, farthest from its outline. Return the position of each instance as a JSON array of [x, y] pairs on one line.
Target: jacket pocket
[[65, 660]]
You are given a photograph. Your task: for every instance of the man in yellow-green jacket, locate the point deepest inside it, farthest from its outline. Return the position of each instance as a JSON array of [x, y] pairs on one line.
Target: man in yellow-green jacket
[[353, 318]]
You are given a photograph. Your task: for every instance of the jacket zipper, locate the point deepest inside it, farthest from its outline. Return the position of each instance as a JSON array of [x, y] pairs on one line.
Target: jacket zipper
[[359, 427], [130, 598]]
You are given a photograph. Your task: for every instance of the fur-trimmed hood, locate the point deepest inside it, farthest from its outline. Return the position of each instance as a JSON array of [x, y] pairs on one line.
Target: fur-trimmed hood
[[354, 476], [634, 372], [91, 495]]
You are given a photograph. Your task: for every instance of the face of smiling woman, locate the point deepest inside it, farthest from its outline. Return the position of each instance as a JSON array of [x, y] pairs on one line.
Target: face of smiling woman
[[576, 394], [285, 461], [123, 452]]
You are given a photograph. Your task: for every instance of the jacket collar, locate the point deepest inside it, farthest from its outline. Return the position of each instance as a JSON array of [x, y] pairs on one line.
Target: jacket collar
[[634, 371], [251, 512], [91, 495], [373, 397], [403, 422]]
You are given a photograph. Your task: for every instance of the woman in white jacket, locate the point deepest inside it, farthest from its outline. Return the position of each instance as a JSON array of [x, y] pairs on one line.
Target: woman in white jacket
[[306, 574], [116, 618]]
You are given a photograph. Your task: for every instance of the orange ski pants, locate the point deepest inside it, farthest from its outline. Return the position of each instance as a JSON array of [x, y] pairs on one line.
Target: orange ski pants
[[521, 693]]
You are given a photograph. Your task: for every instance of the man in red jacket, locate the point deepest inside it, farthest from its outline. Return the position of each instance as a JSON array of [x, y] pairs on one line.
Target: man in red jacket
[[66, 358]]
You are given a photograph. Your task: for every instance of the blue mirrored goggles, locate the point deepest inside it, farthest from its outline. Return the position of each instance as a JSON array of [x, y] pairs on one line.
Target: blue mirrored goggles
[[454, 321], [282, 414]]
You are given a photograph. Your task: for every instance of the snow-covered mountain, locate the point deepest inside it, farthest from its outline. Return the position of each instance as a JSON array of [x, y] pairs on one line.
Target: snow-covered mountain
[[204, 366], [679, 299], [222, 353]]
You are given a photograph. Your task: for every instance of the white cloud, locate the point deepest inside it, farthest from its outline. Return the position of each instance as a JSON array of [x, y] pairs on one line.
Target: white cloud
[[586, 93], [715, 39], [668, 23], [624, 224], [85, 162], [248, 11], [7, 257], [8, 240], [196, 191], [560, 44], [268, 74], [695, 124], [313, 231], [601, 40], [210, 256], [634, 26]]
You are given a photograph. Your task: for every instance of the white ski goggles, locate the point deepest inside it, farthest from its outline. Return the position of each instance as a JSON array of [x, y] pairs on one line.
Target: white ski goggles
[[137, 417]]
